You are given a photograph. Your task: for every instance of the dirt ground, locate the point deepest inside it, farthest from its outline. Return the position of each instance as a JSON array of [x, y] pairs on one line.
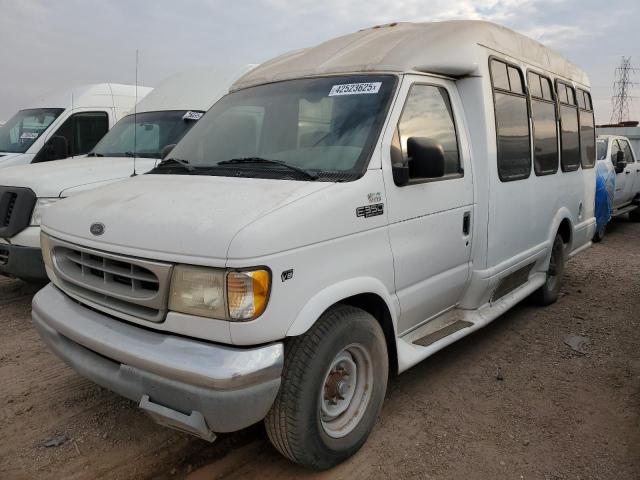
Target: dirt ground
[[510, 401]]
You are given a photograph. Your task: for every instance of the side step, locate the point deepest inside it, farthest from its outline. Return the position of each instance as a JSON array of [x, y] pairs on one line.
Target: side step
[[443, 332], [623, 210]]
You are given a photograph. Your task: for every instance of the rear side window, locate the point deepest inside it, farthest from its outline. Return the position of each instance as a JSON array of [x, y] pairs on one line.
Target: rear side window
[[587, 129], [512, 122], [569, 133], [427, 115], [545, 132]]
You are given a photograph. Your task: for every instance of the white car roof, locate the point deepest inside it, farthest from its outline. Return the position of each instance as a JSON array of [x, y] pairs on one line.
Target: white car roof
[[450, 48], [100, 95]]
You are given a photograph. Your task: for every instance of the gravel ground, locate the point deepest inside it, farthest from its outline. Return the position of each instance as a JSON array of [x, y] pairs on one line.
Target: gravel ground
[[510, 401]]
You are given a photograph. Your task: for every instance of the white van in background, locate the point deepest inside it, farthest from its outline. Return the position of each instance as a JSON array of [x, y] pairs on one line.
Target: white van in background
[[345, 211], [161, 119], [65, 124]]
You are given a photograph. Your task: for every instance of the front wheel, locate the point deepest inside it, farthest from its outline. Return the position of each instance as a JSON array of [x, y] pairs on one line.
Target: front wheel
[[550, 291], [333, 385]]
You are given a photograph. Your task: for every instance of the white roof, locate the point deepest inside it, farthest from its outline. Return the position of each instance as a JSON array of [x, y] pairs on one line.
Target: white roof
[[100, 95], [195, 89], [449, 48]]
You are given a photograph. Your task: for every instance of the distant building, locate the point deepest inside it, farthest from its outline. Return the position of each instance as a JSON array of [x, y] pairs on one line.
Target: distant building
[[631, 130]]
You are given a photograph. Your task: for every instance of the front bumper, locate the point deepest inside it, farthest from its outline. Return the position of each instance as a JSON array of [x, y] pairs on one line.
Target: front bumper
[[187, 384], [22, 262]]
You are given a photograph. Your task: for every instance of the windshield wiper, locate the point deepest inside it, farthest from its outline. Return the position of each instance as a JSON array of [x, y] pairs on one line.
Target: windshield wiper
[[257, 160], [174, 162], [94, 154]]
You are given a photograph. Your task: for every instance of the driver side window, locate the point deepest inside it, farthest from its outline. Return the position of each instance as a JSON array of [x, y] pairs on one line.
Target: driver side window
[[427, 117]]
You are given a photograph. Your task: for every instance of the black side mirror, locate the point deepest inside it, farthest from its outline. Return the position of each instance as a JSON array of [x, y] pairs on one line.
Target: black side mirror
[[426, 158], [166, 151], [620, 162], [57, 148]]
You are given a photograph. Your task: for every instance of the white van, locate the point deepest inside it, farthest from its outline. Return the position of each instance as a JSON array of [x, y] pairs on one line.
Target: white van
[[345, 212], [160, 120], [66, 123], [616, 154]]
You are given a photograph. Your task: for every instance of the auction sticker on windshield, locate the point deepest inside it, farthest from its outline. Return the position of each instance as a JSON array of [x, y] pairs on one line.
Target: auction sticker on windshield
[[355, 88]]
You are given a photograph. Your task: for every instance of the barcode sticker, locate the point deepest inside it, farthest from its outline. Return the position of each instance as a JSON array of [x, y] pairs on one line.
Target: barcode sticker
[[192, 115], [355, 88], [29, 135]]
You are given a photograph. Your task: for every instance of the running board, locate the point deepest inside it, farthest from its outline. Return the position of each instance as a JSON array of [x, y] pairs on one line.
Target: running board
[[623, 210], [443, 332], [427, 339]]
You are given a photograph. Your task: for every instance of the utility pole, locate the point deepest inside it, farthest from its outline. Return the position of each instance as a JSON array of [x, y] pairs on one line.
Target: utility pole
[[621, 91]]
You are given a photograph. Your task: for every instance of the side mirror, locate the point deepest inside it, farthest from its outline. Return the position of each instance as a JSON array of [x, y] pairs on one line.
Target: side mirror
[[57, 148], [620, 162], [426, 158], [166, 151]]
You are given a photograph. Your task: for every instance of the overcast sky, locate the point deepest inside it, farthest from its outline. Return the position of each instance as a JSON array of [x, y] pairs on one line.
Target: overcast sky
[[49, 45]]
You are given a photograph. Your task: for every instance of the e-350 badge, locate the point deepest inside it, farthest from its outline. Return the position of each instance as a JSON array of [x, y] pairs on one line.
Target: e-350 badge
[[370, 210]]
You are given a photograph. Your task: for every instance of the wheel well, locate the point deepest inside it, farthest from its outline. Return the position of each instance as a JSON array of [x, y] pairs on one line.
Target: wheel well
[[376, 306], [564, 230]]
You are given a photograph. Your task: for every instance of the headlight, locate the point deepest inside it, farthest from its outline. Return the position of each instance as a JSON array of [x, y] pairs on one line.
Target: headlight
[[217, 293], [41, 204]]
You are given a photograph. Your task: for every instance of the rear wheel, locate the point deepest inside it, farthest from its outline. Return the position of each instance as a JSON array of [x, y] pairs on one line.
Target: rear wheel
[[549, 292], [333, 386], [634, 215]]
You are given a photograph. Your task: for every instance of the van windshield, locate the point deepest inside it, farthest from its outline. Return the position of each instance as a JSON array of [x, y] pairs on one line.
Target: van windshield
[[24, 128], [304, 129], [601, 149], [145, 134]]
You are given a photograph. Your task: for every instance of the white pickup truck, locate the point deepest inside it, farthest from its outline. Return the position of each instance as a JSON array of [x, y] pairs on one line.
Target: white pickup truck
[[346, 211], [615, 155]]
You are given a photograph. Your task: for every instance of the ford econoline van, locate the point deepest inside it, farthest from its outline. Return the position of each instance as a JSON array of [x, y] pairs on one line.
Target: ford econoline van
[[344, 213], [160, 120], [65, 124]]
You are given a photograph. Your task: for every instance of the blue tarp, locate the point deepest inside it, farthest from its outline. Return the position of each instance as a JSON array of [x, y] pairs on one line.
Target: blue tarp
[[605, 188]]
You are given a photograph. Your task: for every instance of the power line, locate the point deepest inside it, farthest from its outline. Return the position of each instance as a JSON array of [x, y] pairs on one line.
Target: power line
[[622, 85]]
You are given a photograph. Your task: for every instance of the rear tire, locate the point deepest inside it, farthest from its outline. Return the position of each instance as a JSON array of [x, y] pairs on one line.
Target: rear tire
[[333, 385], [634, 215], [549, 292]]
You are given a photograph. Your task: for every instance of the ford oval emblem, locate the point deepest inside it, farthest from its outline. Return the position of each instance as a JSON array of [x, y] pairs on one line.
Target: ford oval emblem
[[97, 228]]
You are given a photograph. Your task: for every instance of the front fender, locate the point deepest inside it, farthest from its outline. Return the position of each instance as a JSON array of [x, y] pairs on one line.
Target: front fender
[[333, 294]]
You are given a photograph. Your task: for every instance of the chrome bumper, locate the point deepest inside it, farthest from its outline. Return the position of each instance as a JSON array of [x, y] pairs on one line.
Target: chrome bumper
[[188, 384]]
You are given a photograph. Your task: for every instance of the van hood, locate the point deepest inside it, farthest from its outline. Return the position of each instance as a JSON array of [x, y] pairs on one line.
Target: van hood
[[172, 217], [61, 178], [9, 159]]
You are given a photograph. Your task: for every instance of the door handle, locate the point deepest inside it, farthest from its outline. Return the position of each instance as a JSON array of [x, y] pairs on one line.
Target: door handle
[[627, 173], [466, 223]]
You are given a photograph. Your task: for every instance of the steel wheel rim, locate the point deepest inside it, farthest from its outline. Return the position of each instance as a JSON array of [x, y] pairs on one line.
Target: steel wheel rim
[[346, 390]]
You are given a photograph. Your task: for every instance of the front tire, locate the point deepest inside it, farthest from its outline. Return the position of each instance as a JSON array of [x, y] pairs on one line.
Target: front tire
[[333, 385], [550, 291], [634, 215]]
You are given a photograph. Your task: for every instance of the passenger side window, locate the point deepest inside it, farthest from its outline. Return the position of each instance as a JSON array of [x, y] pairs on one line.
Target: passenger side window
[[628, 155], [81, 132], [615, 148], [569, 133], [513, 136], [428, 118], [587, 130], [545, 131]]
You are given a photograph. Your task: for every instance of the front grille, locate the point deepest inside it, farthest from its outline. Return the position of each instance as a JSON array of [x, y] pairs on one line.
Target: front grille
[[4, 256], [16, 208], [119, 285]]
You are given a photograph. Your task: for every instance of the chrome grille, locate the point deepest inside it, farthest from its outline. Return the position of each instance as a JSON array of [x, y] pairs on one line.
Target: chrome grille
[[120, 285], [11, 203]]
